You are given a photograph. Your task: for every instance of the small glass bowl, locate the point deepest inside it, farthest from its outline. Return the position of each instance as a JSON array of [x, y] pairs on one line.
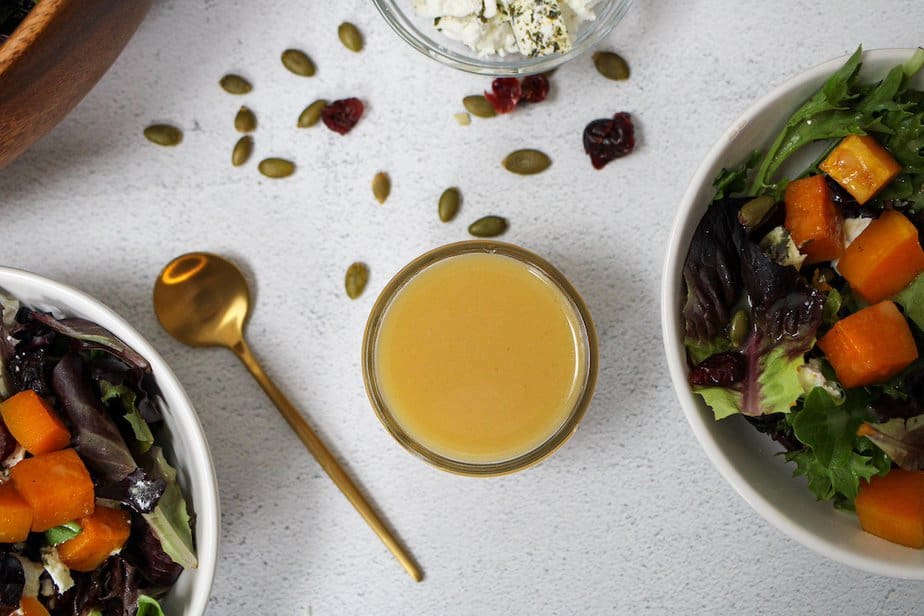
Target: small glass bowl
[[421, 34], [482, 469]]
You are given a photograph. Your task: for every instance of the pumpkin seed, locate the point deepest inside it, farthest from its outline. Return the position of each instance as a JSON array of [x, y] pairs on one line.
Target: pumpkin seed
[[381, 186], [357, 275], [298, 62], [478, 105], [242, 151], [463, 119], [245, 121], [276, 167], [489, 226], [756, 211], [163, 134], [449, 204], [235, 84], [526, 162], [312, 114], [611, 65], [350, 36], [738, 328]]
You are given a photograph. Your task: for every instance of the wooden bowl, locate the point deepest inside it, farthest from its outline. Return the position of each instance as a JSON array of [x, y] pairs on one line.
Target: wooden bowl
[[51, 61]]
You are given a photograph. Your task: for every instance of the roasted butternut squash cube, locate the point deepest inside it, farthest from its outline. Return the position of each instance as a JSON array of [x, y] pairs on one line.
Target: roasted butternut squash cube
[[870, 346], [813, 220], [15, 515], [884, 259], [861, 166], [103, 532], [57, 486], [892, 507]]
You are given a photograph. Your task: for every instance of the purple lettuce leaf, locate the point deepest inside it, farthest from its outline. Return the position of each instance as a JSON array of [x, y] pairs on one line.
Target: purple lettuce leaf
[[901, 439], [725, 267], [112, 588], [144, 551], [12, 582], [91, 336]]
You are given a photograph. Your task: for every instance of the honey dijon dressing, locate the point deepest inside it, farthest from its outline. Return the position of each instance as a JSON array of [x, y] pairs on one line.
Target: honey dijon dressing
[[480, 357]]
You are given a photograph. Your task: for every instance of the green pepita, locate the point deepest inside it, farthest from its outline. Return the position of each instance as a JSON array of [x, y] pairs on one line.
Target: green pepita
[[478, 105], [489, 226], [449, 204], [526, 162], [298, 62], [276, 167], [756, 211], [381, 186], [242, 151], [163, 134], [245, 121], [611, 65], [235, 84], [350, 36], [357, 275], [312, 114], [738, 328]]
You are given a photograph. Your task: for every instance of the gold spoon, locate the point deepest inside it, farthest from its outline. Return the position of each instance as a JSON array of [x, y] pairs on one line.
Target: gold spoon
[[202, 299]]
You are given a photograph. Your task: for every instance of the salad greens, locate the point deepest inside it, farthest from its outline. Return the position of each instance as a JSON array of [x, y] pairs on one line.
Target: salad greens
[[105, 394], [777, 378]]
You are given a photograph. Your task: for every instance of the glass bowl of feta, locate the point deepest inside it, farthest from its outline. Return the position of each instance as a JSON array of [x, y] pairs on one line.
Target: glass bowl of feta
[[502, 37]]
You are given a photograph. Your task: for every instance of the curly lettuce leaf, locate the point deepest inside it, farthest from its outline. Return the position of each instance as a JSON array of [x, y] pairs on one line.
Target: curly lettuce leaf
[[148, 606], [91, 336], [835, 459], [772, 387], [901, 439]]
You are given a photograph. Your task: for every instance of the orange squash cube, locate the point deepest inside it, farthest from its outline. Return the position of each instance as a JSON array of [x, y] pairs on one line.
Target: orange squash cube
[[813, 220], [15, 515], [57, 487], [102, 533], [33, 423], [884, 259], [861, 166], [870, 346], [31, 606], [892, 507]]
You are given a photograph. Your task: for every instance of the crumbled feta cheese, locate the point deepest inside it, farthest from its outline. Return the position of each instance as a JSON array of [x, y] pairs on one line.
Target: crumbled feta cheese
[[32, 571], [60, 574], [779, 246], [853, 227], [489, 27], [810, 377]]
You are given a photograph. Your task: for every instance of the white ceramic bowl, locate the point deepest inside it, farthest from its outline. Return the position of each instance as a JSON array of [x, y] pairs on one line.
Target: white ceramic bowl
[[741, 454], [420, 34], [186, 442]]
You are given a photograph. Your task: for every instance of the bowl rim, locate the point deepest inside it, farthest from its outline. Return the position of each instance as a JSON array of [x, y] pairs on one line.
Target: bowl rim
[[525, 66], [27, 32], [200, 468], [670, 296]]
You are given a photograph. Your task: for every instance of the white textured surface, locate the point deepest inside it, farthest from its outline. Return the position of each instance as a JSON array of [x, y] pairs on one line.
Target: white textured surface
[[629, 517]]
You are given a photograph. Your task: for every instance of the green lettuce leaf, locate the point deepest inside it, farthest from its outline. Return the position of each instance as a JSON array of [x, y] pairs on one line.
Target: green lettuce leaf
[[775, 389], [170, 519], [911, 299], [148, 606], [698, 351], [835, 459], [132, 415], [60, 534]]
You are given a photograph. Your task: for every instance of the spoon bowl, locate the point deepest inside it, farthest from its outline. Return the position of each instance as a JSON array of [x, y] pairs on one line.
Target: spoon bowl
[[202, 299]]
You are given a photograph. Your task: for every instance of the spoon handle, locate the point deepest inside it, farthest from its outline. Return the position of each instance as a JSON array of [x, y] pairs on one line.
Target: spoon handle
[[326, 459]]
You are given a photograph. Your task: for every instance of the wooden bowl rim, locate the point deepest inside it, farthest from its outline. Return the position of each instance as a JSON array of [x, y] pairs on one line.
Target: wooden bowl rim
[[27, 32]]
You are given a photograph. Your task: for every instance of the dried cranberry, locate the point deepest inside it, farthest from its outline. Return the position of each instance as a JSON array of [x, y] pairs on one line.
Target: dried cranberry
[[341, 116], [721, 369], [535, 88], [605, 140], [505, 94]]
